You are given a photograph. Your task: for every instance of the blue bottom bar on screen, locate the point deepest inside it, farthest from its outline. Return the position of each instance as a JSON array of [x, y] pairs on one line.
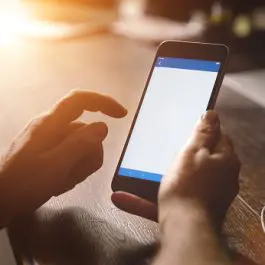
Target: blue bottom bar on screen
[[139, 174]]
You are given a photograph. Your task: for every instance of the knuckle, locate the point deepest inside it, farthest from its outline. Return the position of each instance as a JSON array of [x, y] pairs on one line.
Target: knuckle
[[72, 96], [75, 93], [205, 129], [37, 123]]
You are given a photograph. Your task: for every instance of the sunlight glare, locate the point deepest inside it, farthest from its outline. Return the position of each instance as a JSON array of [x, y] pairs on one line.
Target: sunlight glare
[[12, 24]]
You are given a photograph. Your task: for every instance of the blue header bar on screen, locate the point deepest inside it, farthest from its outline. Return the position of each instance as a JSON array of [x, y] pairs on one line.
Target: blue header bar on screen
[[132, 173], [189, 64]]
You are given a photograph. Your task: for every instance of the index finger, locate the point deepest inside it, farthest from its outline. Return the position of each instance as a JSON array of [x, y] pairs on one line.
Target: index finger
[[72, 106]]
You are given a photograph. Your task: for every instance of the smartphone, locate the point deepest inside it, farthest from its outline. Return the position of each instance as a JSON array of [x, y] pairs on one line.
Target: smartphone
[[183, 83]]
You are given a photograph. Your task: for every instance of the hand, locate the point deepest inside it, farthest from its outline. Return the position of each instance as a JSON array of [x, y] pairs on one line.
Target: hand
[[205, 172], [208, 158], [54, 153]]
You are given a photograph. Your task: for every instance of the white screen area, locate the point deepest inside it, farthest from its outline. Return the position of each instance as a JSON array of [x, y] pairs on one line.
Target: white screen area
[[174, 101]]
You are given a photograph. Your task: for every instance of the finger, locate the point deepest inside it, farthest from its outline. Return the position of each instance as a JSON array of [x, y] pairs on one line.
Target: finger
[[224, 146], [135, 205], [225, 150], [70, 128], [75, 125], [79, 144], [72, 106], [206, 133], [56, 138], [85, 167], [89, 164]]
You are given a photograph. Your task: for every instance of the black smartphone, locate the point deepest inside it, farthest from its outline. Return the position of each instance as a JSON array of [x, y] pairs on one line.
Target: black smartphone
[[183, 83]]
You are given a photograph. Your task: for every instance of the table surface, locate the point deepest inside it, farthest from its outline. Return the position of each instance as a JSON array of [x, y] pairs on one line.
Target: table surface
[[82, 226]]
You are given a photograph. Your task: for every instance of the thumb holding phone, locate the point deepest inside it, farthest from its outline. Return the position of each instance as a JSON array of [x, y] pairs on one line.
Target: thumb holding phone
[[197, 190], [201, 172], [183, 83]]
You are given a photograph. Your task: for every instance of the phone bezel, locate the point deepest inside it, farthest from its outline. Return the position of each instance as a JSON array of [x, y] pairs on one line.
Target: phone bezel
[[188, 50]]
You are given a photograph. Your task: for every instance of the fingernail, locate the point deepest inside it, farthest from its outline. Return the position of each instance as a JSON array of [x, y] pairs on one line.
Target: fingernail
[[211, 117], [125, 111], [100, 130]]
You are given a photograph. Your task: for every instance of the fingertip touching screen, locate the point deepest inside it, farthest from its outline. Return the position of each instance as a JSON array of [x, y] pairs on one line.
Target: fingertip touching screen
[[177, 95]]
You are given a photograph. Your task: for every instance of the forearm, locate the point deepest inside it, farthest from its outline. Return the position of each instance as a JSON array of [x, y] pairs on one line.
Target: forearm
[[188, 237], [16, 199], [10, 202]]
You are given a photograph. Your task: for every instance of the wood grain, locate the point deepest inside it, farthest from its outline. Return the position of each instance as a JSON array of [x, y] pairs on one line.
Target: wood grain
[[244, 120], [82, 226]]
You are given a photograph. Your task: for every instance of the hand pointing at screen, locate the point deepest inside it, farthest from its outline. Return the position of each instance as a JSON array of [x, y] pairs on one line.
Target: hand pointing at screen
[[54, 153]]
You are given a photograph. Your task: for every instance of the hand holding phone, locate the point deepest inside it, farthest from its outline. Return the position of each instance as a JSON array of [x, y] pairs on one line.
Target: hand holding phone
[[204, 175], [183, 83]]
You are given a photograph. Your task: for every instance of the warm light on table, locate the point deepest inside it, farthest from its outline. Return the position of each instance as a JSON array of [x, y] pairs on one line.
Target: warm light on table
[[13, 20], [19, 19]]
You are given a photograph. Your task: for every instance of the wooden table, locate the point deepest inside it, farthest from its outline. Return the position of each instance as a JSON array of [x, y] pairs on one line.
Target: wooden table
[[82, 226]]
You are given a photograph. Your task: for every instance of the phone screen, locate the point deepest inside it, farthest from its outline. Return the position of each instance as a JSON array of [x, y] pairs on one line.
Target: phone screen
[[177, 95]]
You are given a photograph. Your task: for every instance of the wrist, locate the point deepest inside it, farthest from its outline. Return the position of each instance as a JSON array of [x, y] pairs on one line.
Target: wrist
[[184, 213], [185, 224], [16, 199]]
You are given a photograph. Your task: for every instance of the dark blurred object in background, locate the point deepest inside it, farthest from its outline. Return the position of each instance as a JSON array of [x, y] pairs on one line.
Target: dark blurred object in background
[[241, 26], [236, 23], [177, 9], [242, 6], [181, 10]]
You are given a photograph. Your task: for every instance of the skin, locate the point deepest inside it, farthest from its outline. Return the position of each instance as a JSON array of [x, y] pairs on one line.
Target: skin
[[193, 200], [55, 152]]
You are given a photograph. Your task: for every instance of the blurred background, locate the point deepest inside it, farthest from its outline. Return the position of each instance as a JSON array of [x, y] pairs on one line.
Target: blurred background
[[239, 24]]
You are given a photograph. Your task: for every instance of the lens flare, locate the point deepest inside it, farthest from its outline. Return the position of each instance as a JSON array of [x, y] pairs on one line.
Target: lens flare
[[12, 24]]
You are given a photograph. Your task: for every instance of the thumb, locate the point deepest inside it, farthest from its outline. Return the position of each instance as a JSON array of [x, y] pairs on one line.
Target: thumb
[[206, 133], [80, 143]]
